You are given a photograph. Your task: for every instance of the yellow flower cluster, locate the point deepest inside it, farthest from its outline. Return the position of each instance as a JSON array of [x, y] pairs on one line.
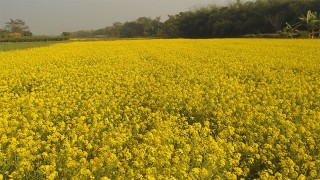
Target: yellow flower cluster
[[161, 109]]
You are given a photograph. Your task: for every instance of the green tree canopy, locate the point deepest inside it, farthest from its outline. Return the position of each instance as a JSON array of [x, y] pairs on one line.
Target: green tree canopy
[[18, 26]]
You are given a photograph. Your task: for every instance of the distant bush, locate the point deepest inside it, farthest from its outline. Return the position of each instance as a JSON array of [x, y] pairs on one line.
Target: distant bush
[[280, 34], [33, 39], [13, 35], [299, 34], [266, 35]]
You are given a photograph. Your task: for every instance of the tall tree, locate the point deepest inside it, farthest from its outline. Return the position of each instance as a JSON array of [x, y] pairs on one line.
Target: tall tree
[[275, 20], [171, 26], [17, 26], [132, 29], [117, 28], [157, 27], [312, 22], [146, 23]]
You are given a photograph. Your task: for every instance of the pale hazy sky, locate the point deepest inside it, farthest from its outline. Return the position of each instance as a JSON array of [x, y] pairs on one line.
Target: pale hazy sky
[[52, 17]]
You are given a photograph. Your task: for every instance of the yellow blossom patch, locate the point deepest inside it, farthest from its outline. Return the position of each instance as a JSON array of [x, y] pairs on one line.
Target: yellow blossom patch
[[161, 109]]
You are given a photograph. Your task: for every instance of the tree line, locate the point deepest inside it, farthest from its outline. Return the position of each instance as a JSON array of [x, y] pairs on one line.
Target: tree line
[[235, 20], [16, 30], [260, 18]]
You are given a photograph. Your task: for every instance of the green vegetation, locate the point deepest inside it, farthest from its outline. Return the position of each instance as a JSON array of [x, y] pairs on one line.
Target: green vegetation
[[34, 38], [7, 46], [253, 19], [260, 18], [15, 28], [312, 22]]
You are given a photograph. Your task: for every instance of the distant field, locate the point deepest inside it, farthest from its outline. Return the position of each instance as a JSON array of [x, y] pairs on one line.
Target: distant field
[[161, 109], [7, 46]]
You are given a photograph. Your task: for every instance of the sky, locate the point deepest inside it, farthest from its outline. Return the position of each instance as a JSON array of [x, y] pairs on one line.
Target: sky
[[52, 17]]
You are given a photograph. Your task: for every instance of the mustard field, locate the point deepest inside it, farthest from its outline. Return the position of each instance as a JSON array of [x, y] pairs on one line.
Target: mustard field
[[161, 109]]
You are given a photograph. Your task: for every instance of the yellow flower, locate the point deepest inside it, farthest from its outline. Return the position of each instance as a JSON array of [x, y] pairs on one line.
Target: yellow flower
[[167, 109]]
